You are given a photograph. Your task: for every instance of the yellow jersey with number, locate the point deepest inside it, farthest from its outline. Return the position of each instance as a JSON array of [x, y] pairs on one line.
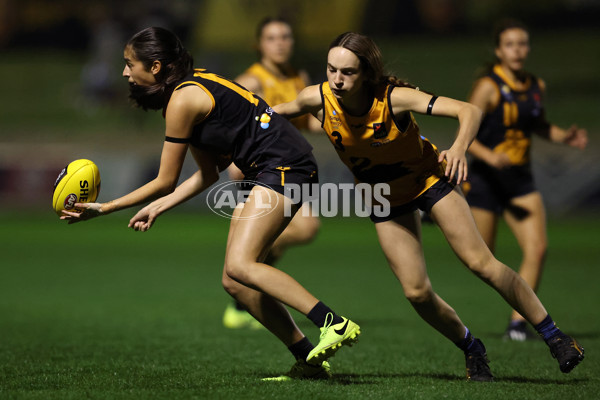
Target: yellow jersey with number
[[277, 90], [380, 148]]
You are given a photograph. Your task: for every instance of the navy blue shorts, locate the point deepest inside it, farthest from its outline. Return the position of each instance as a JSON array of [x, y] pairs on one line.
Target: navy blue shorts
[[424, 202], [301, 172], [492, 189]]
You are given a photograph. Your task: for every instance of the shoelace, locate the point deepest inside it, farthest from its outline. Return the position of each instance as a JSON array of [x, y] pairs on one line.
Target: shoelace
[[327, 325]]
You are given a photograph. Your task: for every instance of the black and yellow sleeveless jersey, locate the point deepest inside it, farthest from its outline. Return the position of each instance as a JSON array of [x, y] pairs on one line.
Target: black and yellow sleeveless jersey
[[276, 90], [508, 128], [242, 126], [379, 148]]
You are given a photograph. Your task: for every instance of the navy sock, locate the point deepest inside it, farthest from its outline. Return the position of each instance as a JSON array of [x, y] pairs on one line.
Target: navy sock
[[467, 342], [301, 348], [319, 313], [547, 328]]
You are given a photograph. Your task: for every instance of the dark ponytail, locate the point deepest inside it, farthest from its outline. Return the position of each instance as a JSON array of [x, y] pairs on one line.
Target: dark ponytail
[[159, 44]]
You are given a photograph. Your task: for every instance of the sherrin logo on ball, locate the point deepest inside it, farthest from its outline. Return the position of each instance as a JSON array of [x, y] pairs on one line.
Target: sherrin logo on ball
[[78, 182]]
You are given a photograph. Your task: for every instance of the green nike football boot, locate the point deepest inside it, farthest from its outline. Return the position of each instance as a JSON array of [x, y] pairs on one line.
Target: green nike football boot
[[332, 338]]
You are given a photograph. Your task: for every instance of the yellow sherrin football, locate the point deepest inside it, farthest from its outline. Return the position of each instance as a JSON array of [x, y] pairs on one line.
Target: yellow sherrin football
[[78, 182]]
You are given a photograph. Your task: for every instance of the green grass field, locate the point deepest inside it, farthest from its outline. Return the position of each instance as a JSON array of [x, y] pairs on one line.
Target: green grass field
[[98, 311]]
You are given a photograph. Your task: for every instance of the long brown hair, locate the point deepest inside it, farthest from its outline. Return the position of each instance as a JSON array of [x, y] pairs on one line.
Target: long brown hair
[[371, 59], [159, 44]]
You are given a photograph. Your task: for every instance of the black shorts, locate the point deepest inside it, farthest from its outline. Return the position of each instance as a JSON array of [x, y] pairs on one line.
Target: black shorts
[[492, 189], [301, 172], [424, 202]]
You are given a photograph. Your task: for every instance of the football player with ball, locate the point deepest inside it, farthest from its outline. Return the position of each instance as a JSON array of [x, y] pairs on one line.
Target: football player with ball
[[218, 121]]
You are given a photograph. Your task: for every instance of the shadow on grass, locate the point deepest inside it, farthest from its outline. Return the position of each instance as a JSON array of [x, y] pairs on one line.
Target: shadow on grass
[[577, 335], [540, 381], [362, 379]]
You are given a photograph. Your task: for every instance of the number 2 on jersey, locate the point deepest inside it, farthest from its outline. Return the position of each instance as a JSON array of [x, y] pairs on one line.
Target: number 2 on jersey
[[338, 141]]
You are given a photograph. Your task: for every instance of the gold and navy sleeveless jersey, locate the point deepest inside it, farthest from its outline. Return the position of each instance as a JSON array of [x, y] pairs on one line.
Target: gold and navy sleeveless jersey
[[242, 126], [277, 91], [508, 127], [379, 148]]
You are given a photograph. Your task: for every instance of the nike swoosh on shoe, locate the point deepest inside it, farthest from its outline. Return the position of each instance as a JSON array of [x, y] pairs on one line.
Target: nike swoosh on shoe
[[342, 330]]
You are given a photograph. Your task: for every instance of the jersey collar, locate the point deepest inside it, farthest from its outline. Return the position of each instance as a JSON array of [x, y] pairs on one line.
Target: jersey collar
[[511, 84]]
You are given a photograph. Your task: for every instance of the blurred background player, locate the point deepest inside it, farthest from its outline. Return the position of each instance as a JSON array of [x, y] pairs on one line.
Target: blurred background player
[[275, 80], [501, 182]]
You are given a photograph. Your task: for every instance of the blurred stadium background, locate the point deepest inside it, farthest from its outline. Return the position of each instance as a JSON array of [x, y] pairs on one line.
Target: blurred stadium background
[[63, 96]]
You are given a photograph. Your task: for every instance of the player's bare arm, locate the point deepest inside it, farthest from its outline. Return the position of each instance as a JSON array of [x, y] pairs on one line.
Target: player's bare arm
[[251, 83], [486, 96], [188, 106], [469, 117], [207, 174], [314, 124], [307, 102]]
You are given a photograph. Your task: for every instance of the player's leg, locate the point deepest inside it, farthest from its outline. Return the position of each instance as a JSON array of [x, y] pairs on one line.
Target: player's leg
[[255, 231], [454, 218], [456, 222], [302, 229], [236, 315], [261, 220], [234, 173], [529, 228], [487, 225], [400, 239], [276, 318], [484, 197], [526, 217]]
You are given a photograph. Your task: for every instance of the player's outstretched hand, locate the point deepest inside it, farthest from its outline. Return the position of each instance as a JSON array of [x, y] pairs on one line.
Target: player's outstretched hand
[[143, 220], [88, 211], [456, 164]]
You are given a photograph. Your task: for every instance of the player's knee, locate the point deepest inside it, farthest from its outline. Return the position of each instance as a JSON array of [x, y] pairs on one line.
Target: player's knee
[[419, 294], [483, 266], [236, 269], [230, 286]]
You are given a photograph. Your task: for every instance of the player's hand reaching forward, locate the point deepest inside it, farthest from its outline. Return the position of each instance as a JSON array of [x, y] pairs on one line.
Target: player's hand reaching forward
[[143, 220], [88, 211]]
